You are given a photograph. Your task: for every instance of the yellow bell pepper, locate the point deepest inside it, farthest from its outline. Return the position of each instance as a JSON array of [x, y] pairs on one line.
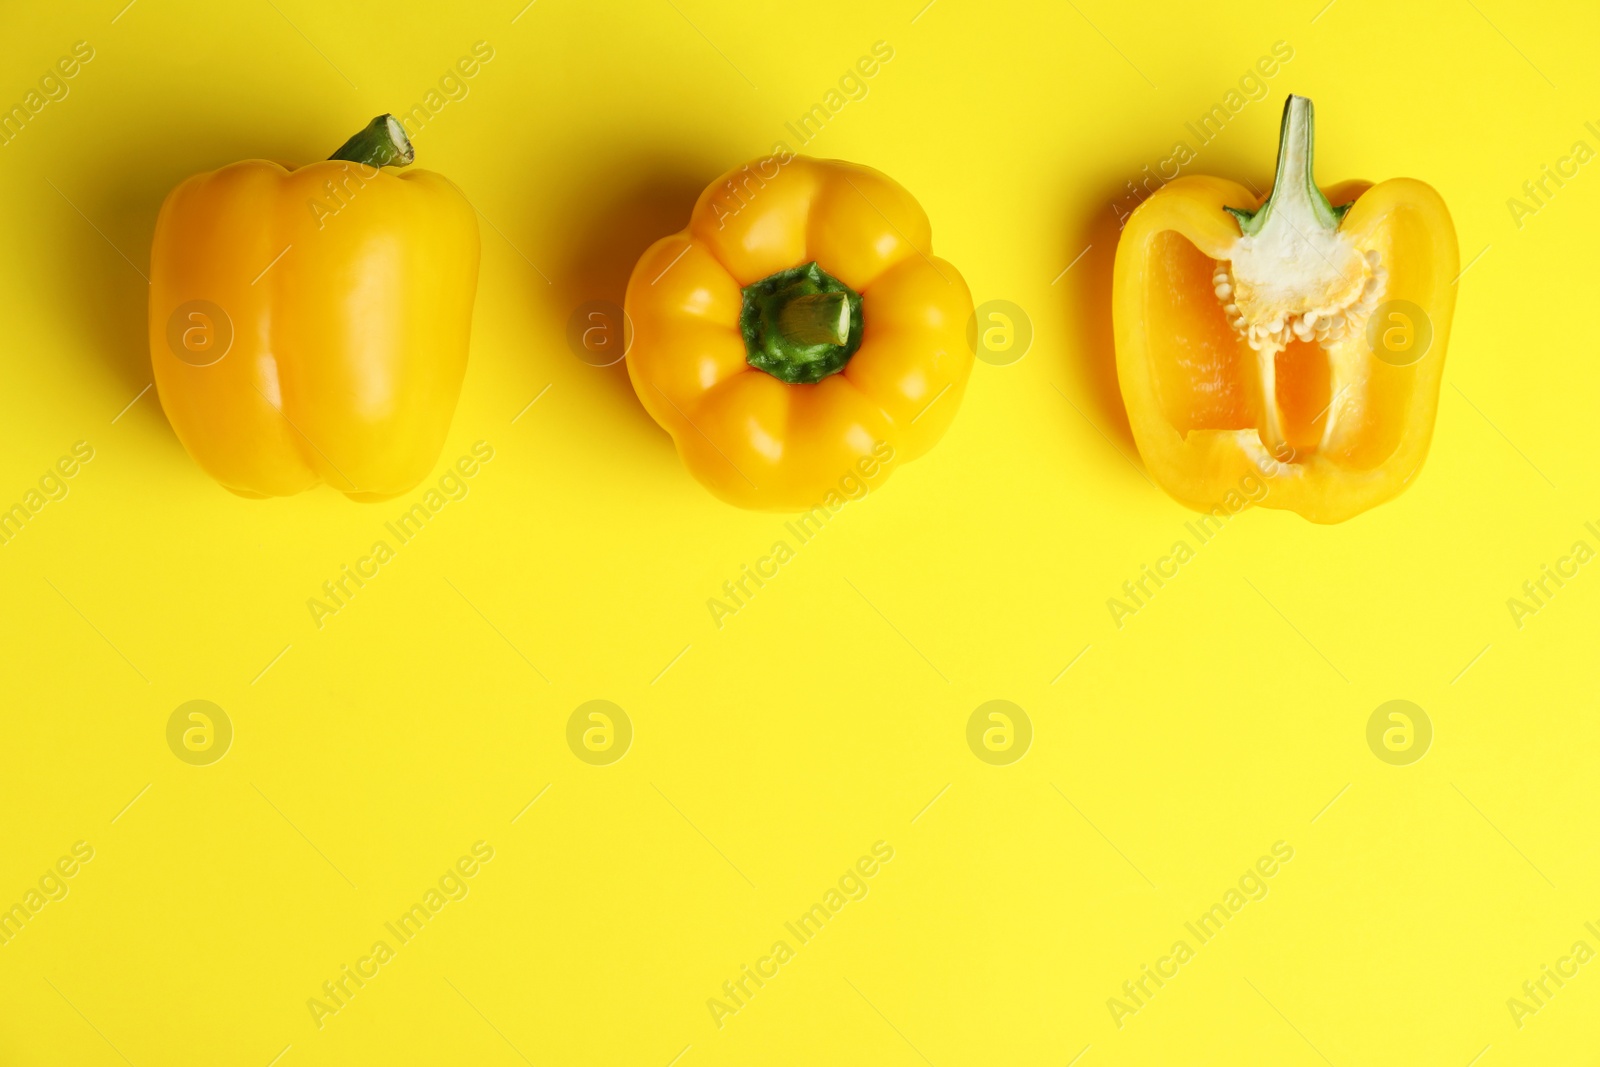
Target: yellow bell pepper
[[311, 324], [1298, 340], [799, 334]]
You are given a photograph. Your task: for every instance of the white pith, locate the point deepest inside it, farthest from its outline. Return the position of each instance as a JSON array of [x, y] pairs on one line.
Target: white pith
[[1271, 300]]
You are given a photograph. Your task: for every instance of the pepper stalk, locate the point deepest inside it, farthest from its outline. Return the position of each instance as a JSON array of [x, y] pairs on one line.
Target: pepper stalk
[[380, 143], [800, 325]]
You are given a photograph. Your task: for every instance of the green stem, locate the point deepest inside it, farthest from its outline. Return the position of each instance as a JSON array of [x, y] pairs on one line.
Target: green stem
[[800, 325], [1295, 187], [816, 319], [381, 143]]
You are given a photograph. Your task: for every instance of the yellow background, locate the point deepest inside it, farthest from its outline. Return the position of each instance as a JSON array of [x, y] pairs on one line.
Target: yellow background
[[827, 714]]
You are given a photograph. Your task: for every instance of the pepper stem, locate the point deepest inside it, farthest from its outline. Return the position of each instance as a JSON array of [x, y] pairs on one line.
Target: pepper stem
[[800, 325], [1295, 187], [816, 319], [381, 143]]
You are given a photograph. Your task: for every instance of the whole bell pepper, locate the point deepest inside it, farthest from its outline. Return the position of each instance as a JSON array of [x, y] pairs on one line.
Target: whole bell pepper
[[1299, 340], [799, 335], [310, 324]]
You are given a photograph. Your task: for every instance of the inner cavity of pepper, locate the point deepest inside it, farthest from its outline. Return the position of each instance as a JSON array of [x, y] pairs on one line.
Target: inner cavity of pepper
[[801, 324], [1288, 380]]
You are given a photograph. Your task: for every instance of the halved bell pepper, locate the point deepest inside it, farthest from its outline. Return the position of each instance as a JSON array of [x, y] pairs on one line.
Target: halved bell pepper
[[1299, 339], [799, 335], [311, 324]]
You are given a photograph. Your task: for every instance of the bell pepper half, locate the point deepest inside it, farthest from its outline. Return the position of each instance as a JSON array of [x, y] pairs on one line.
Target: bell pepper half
[[1300, 338], [310, 324], [799, 332]]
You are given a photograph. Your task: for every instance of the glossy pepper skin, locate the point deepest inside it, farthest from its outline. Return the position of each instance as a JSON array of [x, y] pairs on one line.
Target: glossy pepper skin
[[347, 290], [760, 441], [1333, 425]]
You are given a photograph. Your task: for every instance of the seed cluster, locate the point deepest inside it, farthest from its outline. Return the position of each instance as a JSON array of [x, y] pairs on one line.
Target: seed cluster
[[1325, 325]]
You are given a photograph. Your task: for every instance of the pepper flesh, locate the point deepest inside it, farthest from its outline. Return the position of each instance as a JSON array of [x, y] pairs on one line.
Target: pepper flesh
[[1226, 377], [760, 442], [347, 291]]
